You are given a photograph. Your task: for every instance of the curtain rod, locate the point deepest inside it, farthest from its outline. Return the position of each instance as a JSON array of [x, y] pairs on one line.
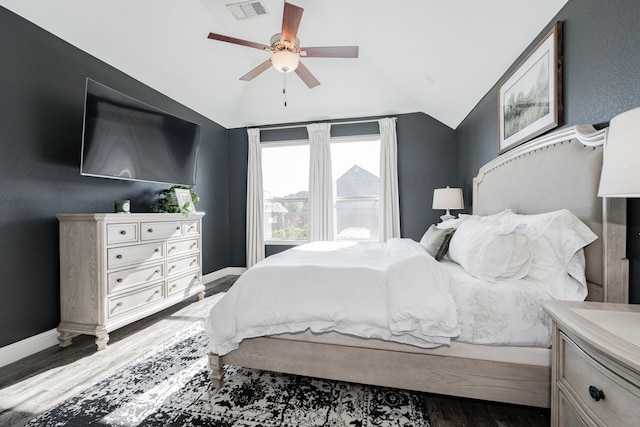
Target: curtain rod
[[352, 122]]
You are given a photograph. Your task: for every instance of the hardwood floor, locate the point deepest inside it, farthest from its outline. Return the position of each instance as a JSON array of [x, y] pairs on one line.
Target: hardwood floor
[[32, 385]]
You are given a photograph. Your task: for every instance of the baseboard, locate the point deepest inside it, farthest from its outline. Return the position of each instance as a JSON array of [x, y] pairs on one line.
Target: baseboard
[[28, 346], [219, 274]]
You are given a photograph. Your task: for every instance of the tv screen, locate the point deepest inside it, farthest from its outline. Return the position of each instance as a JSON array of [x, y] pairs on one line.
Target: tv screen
[[124, 138]]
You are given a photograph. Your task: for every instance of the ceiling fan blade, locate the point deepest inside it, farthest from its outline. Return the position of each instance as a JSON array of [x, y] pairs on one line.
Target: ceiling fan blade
[[330, 52], [257, 71], [290, 22], [306, 76], [241, 42]]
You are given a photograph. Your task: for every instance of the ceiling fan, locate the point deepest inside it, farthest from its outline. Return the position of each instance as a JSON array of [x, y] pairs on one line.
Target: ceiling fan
[[286, 50]]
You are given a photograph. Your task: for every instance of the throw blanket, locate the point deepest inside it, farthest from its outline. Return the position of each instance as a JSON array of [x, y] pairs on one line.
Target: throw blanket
[[393, 291]]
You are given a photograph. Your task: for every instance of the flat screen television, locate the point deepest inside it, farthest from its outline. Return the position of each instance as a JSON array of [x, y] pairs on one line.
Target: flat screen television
[[124, 138]]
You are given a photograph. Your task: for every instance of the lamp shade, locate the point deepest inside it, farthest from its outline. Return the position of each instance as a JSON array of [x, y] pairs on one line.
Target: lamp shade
[[285, 61], [447, 198], [621, 165]]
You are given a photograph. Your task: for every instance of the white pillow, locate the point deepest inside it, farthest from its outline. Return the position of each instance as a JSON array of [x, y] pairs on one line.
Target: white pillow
[[455, 222], [557, 241], [491, 251]]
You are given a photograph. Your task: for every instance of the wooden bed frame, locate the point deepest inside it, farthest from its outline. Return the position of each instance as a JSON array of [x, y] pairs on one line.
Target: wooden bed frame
[[559, 170]]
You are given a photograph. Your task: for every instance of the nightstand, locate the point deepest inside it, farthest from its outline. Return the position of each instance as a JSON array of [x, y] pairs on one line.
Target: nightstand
[[595, 376]]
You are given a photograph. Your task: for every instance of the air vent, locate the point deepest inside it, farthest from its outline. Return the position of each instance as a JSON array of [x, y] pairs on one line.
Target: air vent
[[247, 9]]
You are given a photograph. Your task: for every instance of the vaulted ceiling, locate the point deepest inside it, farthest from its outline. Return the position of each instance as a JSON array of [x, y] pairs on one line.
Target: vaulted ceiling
[[432, 56]]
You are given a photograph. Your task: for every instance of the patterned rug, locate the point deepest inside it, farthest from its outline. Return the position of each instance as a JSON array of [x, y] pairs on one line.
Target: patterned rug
[[169, 386]]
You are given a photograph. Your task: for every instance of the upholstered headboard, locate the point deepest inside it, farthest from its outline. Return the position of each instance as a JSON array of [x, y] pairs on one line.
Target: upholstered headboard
[[556, 171]]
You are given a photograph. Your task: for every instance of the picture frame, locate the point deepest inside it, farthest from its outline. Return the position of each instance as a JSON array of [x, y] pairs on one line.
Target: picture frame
[[185, 204], [530, 97]]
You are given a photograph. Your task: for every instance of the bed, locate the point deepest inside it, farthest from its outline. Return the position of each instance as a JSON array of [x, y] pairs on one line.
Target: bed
[[556, 171]]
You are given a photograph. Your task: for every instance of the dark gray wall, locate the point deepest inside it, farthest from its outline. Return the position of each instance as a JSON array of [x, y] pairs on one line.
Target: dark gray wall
[[42, 83], [601, 80], [426, 160]]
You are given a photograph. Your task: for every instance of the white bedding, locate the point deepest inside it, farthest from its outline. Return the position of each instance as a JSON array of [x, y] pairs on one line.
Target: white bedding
[[500, 313], [393, 291]]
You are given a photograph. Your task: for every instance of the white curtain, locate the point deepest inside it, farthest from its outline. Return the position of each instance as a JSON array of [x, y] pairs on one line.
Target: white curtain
[[389, 199], [320, 182], [255, 204]]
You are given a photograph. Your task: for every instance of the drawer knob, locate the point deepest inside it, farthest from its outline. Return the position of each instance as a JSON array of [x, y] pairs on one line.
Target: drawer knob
[[173, 248], [149, 230], [596, 393], [119, 256], [178, 228], [123, 232], [157, 291], [174, 285], [157, 271], [119, 280], [119, 304], [157, 250]]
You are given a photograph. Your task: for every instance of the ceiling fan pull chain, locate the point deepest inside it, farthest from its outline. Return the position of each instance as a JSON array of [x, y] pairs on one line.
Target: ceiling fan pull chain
[[284, 87]]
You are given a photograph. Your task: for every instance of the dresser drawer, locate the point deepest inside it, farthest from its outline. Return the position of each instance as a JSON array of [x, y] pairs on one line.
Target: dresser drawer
[[159, 230], [128, 255], [180, 247], [192, 227], [578, 373], [122, 233], [568, 414], [125, 279], [183, 283], [176, 266], [126, 303]]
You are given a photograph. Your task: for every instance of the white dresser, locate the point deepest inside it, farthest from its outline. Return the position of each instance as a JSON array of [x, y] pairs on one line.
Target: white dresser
[[596, 364], [118, 268]]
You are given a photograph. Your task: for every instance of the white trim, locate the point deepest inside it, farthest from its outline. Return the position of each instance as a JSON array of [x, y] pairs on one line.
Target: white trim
[[219, 274], [28, 346]]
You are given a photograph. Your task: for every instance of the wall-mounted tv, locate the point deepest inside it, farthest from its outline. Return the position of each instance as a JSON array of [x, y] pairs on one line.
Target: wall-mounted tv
[[124, 138]]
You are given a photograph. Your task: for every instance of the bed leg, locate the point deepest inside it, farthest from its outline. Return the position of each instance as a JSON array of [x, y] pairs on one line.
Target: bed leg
[[217, 370]]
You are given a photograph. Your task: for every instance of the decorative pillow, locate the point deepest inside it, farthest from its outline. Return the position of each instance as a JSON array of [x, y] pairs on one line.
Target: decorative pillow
[[491, 251], [436, 241]]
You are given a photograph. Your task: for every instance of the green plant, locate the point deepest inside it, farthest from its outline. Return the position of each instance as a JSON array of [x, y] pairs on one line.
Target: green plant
[[167, 201]]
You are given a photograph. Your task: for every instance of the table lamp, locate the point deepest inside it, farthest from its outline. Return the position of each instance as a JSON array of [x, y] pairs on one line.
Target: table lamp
[[447, 198]]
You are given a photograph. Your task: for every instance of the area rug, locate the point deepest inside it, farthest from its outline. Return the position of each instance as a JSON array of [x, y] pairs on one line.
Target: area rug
[[169, 386]]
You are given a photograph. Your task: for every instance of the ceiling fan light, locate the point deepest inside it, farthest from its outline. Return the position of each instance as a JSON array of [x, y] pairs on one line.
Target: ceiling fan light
[[285, 61]]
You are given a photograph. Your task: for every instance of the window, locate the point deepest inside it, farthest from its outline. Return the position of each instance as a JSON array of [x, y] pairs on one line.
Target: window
[[285, 182], [355, 164]]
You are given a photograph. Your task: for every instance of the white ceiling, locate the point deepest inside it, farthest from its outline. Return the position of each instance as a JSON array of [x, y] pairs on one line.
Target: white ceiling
[[439, 57]]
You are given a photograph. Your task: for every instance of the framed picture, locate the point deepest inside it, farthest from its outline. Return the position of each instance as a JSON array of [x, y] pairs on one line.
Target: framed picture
[[183, 197], [530, 98]]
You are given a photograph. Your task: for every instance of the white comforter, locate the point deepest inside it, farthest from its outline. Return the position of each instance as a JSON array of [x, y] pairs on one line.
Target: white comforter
[[393, 291]]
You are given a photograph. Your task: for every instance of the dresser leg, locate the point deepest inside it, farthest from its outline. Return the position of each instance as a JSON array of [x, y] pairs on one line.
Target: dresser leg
[[102, 338], [200, 296], [65, 338]]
